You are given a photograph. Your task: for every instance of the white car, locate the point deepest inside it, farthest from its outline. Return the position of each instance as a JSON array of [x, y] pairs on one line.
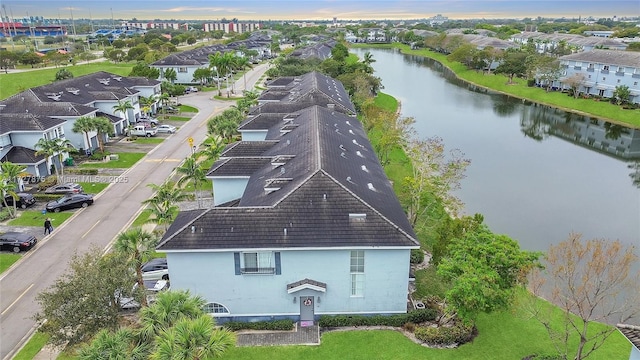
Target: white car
[[190, 89], [166, 129], [155, 269], [152, 289]]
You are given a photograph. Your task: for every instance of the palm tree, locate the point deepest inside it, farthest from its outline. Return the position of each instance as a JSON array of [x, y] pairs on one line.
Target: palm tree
[[163, 202], [146, 102], [139, 246], [193, 339], [171, 75], [103, 127], [9, 178], [164, 100], [123, 107], [192, 171], [121, 344], [84, 124], [168, 308], [57, 147]]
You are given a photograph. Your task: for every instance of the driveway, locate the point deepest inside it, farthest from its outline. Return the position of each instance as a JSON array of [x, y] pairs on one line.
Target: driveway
[[113, 212]]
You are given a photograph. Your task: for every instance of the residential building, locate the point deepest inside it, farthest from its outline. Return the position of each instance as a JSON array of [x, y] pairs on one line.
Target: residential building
[[547, 42], [632, 333], [232, 27], [601, 71], [305, 221]]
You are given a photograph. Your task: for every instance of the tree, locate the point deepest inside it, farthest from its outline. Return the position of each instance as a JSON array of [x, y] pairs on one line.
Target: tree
[[137, 246], [170, 74], [108, 345], [191, 171], [202, 75], [8, 60], [9, 182], [7, 188], [54, 147], [434, 177], [225, 124], [621, 94], [485, 270], [143, 70], [548, 70], [169, 307], [84, 124], [193, 339], [512, 65], [123, 108], [163, 202], [574, 82], [63, 74], [85, 299], [211, 148], [588, 280], [103, 127], [30, 58]]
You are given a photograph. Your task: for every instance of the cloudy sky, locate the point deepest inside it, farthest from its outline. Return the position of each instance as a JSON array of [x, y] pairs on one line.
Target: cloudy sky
[[317, 9]]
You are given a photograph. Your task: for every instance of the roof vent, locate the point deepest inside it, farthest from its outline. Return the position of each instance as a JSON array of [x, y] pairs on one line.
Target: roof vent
[[359, 153], [342, 147], [357, 217], [351, 132], [370, 186], [343, 155], [349, 179], [348, 123], [331, 106], [364, 168], [282, 170]]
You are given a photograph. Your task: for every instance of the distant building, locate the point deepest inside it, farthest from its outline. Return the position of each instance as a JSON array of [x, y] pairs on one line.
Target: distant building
[[232, 27]]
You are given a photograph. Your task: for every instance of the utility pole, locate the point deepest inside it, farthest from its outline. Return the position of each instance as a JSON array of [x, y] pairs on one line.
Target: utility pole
[[73, 23]]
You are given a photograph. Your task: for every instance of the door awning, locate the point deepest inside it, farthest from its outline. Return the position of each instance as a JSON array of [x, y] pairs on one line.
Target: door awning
[[306, 284]]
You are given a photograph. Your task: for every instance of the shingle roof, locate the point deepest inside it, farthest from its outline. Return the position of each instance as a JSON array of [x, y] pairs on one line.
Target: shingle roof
[[613, 57], [237, 166], [23, 155], [27, 122], [260, 121], [28, 102], [631, 332], [247, 148]]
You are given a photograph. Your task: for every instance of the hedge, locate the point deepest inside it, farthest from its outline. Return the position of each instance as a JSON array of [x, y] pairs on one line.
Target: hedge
[[81, 171], [458, 334], [398, 320], [46, 197], [4, 214], [260, 325]]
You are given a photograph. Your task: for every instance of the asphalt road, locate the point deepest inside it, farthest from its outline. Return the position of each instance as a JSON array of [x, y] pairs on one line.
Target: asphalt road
[[113, 212]]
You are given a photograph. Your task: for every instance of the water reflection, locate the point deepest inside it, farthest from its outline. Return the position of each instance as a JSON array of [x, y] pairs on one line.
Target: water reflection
[[539, 121]]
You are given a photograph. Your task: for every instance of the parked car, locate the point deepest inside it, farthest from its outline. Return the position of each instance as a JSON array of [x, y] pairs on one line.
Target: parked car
[[166, 129], [70, 201], [24, 200], [150, 120], [141, 130], [68, 188], [17, 241], [156, 269], [169, 109], [153, 287], [190, 89]]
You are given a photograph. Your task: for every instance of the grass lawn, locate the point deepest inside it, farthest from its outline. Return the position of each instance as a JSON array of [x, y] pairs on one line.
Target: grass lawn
[[187, 108], [174, 118], [6, 260], [37, 218], [148, 140], [125, 161], [32, 347], [93, 187], [14, 83], [142, 219]]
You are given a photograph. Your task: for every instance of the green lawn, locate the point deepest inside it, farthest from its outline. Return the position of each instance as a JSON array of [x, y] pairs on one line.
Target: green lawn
[[37, 218], [13, 83], [148, 140], [142, 219], [174, 118], [6, 260], [125, 161], [93, 187], [32, 347], [187, 108]]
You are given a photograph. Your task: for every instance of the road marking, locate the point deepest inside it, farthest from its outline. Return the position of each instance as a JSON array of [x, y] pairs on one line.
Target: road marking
[[91, 228], [18, 299], [172, 160], [135, 186]]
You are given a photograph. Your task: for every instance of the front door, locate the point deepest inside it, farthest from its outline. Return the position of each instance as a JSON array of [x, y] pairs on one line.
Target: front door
[[307, 304]]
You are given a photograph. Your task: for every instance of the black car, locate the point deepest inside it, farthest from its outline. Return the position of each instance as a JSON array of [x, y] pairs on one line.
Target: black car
[[17, 242], [70, 201], [24, 200]]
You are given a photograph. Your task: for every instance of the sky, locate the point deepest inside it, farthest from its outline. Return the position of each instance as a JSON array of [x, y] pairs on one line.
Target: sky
[[316, 9]]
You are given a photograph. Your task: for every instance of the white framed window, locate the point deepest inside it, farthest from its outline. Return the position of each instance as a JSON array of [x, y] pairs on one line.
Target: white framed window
[[182, 69], [215, 308], [258, 262], [357, 272]]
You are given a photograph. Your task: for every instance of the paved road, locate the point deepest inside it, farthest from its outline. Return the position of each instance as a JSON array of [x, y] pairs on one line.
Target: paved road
[[99, 224]]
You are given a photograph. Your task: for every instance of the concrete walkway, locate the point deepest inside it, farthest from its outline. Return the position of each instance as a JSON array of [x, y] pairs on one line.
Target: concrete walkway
[[309, 335]]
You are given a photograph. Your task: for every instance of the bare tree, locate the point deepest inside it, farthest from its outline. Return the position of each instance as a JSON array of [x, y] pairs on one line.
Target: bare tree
[[574, 82], [592, 282]]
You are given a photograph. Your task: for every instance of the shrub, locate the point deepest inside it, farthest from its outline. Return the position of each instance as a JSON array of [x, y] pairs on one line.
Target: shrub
[[99, 155], [5, 214], [398, 320], [410, 327], [458, 334], [46, 197], [47, 182], [82, 171], [417, 256], [260, 325]]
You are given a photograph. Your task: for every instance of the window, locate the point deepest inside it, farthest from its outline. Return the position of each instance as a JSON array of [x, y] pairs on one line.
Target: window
[[635, 83], [606, 68], [257, 263], [215, 308], [182, 69], [357, 273]]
